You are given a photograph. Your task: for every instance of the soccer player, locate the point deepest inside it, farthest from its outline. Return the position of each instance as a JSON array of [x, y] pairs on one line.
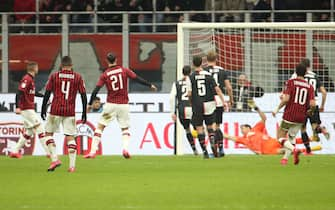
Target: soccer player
[[64, 84], [25, 106], [312, 78], [256, 138], [179, 99], [221, 77], [201, 93], [298, 99], [115, 78]]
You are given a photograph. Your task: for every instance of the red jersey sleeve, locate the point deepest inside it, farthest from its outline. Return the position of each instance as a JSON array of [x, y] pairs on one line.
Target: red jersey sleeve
[[260, 127], [24, 83], [130, 73], [288, 88], [49, 86], [101, 81], [82, 88], [311, 93]]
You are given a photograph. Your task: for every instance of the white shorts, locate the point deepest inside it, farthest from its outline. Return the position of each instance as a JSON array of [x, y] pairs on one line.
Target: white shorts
[[118, 111], [291, 128], [68, 124], [30, 118]]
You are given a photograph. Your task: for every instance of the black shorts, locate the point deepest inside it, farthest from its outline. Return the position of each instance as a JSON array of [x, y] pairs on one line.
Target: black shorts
[[315, 118], [185, 123], [218, 115], [198, 119]]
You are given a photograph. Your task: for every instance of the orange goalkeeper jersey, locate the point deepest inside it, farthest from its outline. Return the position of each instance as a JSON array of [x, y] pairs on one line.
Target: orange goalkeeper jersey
[[259, 141]]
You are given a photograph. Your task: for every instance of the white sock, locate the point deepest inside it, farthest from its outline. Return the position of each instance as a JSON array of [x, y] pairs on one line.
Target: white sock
[[125, 139], [22, 140], [52, 148], [95, 141], [287, 153], [41, 135], [286, 144], [72, 150]]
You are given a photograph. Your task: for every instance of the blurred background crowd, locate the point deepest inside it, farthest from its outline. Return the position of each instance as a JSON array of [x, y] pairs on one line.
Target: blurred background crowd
[[145, 12]]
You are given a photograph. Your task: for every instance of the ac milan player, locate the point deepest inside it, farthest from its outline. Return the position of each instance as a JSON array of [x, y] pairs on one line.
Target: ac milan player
[[315, 120], [179, 100], [298, 99], [221, 77], [201, 93], [115, 78], [64, 85], [25, 106]]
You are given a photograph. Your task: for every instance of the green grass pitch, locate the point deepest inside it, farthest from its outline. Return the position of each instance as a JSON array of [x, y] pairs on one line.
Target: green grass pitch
[[240, 182]]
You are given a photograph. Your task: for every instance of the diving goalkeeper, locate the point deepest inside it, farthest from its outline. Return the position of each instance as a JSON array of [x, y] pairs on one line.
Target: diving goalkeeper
[[256, 138]]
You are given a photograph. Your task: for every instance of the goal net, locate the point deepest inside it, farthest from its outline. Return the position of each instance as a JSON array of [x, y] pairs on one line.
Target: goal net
[[266, 53]]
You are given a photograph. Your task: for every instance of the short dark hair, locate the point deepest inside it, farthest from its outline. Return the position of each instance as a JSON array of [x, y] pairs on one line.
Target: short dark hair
[[197, 61], [96, 98], [31, 65], [300, 70], [306, 62], [111, 57], [246, 125], [66, 61], [186, 70]]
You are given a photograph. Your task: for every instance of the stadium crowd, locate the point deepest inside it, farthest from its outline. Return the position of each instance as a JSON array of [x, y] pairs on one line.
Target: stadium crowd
[[156, 6]]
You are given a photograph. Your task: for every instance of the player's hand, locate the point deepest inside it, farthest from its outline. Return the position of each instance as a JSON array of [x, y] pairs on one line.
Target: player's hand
[[89, 108], [174, 117], [17, 111], [251, 103], [84, 117], [310, 112], [274, 113], [153, 87], [321, 109]]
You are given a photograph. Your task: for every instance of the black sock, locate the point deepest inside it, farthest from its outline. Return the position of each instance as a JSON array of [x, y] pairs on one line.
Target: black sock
[[219, 138], [305, 139], [201, 137], [190, 140], [211, 135]]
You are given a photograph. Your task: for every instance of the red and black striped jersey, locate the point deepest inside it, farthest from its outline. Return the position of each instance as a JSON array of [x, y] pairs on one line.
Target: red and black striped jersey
[[301, 93], [116, 80], [27, 87], [65, 84]]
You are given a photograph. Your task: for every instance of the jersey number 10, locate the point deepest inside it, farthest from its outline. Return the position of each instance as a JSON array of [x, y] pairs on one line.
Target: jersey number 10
[[300, 96]]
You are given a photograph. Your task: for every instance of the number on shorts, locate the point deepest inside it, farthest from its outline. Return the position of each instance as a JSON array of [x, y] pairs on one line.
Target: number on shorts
[[117, 82], [300, 95], [65, 89]]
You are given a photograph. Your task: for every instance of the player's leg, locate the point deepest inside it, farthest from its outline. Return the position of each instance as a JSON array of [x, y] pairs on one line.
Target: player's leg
[[197, 121], [287, 145], [218, 132], [305, 138], [69, 127], [211, 126], [186, 124], [51, 127], [122, 116], [24, 137], [106, 117], [39, 129]]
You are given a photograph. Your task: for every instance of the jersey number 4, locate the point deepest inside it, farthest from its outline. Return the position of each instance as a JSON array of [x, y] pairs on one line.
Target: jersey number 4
[[117, 82], [66, 88]]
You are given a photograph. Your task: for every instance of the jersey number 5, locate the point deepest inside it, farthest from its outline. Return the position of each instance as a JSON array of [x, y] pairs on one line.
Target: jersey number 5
[[201, 87], [117, 82]]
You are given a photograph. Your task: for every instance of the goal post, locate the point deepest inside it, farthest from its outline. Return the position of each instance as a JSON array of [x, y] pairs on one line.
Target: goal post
[[266, 53]]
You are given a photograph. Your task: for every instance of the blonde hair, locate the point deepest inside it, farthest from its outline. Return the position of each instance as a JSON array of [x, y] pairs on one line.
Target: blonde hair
[[211, 56]]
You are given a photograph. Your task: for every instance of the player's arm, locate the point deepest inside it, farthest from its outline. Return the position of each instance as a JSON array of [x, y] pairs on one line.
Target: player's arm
[[38, 94], [93, 95], [324, 97], [84, 102], [229, 91], [285, 98], [44, 104], [18, 95], [226, 136], [219, 93], [261, 114], [173, 94], [145, 82]]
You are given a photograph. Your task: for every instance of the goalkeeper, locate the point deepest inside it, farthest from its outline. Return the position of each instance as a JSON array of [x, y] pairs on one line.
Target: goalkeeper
[[256, 137]]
